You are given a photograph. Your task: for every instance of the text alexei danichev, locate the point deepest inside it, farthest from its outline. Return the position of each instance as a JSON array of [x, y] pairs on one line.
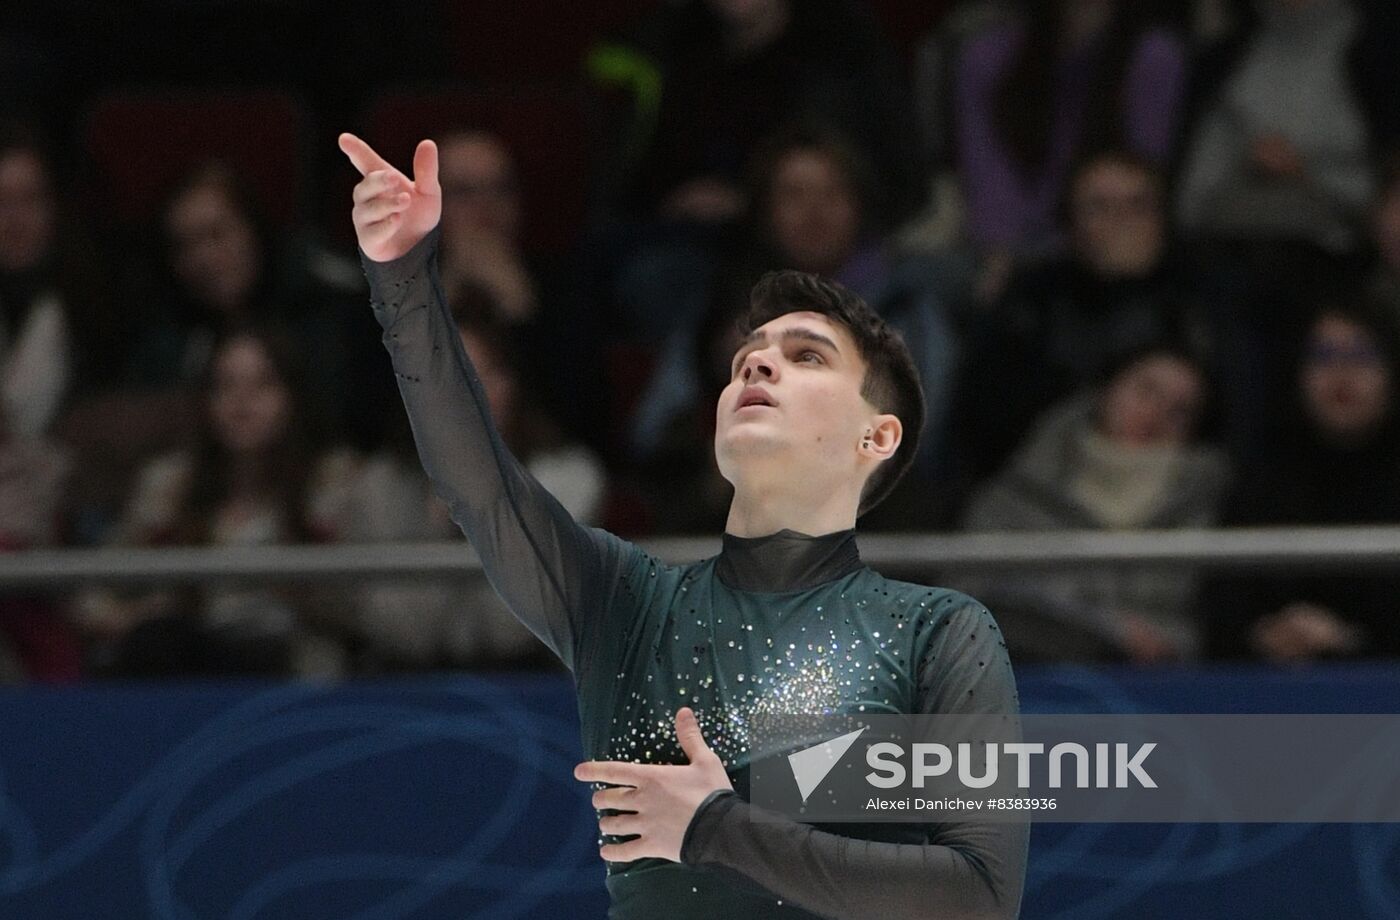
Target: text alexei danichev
[[958, 804]]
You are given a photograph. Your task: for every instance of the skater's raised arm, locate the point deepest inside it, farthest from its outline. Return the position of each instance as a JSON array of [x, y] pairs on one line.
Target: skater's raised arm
[[552, 572]]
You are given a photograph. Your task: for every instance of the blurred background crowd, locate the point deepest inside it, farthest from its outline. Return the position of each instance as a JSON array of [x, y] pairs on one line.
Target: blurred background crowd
[[1146, 254]]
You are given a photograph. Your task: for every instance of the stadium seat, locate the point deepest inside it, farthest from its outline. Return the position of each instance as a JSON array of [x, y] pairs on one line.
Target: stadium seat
[[137, 144]]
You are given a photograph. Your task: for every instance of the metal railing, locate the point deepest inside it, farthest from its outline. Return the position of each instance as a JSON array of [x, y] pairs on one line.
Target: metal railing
[[1236, 549]]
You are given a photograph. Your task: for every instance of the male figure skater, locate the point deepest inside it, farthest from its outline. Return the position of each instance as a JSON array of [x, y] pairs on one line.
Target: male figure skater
[[815, 427]]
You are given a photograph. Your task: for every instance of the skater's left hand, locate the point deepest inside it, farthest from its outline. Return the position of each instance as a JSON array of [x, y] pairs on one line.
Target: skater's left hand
[[659, 799]]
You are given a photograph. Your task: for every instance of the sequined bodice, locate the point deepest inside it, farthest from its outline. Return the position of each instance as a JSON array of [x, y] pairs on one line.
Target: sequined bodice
[[846, 645]]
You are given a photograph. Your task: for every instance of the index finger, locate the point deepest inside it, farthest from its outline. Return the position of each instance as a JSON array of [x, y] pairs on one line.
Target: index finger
[[617, 772], [361, 154]]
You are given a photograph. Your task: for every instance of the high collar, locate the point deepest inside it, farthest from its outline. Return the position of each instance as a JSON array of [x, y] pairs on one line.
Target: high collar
[[786, 560]]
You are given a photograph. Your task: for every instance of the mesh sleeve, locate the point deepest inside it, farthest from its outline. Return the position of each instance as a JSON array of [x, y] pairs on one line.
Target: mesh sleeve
[[551, 571]]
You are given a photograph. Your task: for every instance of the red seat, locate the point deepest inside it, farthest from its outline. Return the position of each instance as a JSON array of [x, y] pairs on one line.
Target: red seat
[[138, 144], [544, 126]]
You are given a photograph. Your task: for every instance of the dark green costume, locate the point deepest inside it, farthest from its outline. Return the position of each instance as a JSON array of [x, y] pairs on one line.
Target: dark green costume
[[780, 624]]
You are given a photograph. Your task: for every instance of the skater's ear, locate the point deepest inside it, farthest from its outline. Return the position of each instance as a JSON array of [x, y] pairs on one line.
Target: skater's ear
[[882, 437]]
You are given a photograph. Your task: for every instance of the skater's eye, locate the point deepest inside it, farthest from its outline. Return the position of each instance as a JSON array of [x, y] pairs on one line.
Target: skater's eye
[[808, 353]]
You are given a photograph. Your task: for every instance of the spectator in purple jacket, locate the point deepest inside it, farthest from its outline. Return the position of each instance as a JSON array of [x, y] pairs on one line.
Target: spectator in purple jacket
[[1035, 95]]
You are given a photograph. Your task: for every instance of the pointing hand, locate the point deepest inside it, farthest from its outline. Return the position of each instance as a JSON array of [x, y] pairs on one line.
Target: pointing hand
[[393, 212]]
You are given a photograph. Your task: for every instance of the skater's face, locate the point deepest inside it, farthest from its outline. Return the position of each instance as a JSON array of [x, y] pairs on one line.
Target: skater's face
[[795, 393], [1346, 382]]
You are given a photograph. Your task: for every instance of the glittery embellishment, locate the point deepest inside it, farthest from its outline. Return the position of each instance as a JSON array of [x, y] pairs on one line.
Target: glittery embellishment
[[819, 655]]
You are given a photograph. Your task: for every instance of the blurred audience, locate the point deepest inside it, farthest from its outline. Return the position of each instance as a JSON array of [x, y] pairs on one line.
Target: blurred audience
[[1278, 184], [705, 80], [224, 267], [1126, 455], [481, 220], [1138, 208], [674, 428], [53, 318], [694, 89], [452, 624], [254, 477], [492, 278], [1035, 94], [1283, 151], [1121, 284], [56, 329], [1338, 462]]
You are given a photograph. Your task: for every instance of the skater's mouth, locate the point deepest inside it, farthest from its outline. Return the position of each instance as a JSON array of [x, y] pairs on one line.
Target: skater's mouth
[[754, 396]]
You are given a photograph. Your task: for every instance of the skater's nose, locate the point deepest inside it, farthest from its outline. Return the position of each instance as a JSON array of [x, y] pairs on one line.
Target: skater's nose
[[758, 363]]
